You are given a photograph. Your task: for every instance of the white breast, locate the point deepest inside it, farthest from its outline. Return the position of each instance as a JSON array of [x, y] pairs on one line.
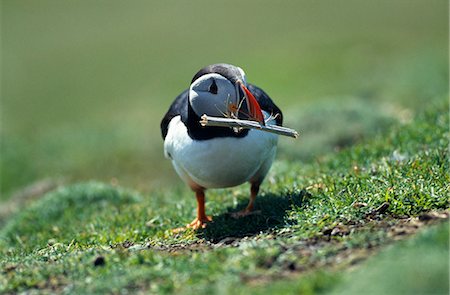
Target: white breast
[[219, 162]]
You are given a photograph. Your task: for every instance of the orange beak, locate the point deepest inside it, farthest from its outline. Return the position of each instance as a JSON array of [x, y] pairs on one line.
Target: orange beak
[[254, 109]]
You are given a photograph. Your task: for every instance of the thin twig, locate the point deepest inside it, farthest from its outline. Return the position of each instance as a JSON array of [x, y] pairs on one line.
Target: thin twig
[[229, 122]]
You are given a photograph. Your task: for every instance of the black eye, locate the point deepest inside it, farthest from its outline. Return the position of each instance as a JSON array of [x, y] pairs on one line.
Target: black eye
[[213, 87]]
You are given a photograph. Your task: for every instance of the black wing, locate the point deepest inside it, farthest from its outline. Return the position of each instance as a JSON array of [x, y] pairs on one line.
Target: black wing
[[178, 107], [266, 103]]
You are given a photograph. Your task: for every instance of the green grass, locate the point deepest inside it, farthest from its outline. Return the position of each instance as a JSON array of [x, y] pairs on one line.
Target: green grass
[[422, 263], [84, 85], [307, 223]]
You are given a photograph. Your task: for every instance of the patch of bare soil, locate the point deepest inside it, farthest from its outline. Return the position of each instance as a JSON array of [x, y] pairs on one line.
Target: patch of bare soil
[[332, 241], [340, 256]]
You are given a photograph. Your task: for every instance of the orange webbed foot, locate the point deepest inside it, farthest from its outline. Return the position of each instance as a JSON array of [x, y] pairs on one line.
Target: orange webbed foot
[[202, 219], [195, 224], [198, 223], [254, 189]]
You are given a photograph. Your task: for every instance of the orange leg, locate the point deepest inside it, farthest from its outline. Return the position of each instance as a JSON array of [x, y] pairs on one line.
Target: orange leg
[[202, 218], [249, 209]]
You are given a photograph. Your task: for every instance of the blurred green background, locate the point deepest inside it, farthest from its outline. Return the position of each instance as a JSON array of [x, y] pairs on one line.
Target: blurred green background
[[84, 84]]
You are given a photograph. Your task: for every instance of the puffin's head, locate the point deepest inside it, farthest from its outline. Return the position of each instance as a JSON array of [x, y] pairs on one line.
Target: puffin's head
[[220, 90]]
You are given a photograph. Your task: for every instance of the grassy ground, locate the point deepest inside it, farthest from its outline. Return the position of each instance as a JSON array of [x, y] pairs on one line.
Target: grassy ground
[[314, 220], [84, 87], [88, 202]]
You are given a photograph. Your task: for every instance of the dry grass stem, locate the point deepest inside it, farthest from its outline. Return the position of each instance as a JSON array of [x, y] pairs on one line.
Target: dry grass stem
[[233, 123]]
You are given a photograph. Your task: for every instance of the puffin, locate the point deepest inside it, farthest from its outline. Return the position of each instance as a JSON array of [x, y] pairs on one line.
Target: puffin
[[220, 157]]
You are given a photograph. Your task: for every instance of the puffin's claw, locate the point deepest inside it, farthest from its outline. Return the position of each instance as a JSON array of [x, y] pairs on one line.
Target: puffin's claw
[[199, 223]]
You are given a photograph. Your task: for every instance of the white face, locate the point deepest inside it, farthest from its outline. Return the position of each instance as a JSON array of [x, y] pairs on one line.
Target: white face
[[214, 95]]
